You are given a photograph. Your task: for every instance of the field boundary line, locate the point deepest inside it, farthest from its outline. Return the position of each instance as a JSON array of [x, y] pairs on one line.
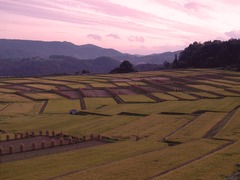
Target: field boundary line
[[221, 124], [194, 159]]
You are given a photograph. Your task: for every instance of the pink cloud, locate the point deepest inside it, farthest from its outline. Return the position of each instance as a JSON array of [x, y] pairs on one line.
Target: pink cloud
[[95, 37], [115, 36], [193, 6], [233, 34], [136, 39]]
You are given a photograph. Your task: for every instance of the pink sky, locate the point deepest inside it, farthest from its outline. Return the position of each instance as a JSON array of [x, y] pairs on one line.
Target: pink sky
[[130, 26]]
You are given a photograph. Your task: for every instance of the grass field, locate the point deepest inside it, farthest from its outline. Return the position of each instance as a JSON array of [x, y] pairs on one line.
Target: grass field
[[42, 86], [93, 103], [62, 106], [150, 139], [135, 99]]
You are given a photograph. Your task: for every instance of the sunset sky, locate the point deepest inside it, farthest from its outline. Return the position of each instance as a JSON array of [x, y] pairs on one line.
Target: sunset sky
[[130, 26]]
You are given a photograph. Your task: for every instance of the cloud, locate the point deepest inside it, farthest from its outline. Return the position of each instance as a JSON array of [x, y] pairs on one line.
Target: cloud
[[95, 37], [136, 39], [193, 6], [115, 36], [233, 34]]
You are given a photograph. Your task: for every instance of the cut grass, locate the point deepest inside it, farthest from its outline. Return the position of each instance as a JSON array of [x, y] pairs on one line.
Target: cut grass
[[198, 128], [205, 95], [62, 106], [44, 96], [135, 99], [149, 164], [231, 130], [216, 166], [214, 90], [76, 86], [165, 96], [42, 86], [59, 164], [153, 127], [102, 85], [12, 98], [93, 103], [29, 108], [182, 95]]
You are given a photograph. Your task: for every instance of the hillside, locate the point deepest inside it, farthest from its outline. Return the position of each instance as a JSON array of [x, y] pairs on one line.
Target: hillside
[[172, 124], [210, 54], [55, 65]]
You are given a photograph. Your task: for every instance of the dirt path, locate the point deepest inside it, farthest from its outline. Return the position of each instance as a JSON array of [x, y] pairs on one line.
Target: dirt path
[[43, 107], [215, 129], [193, 160]]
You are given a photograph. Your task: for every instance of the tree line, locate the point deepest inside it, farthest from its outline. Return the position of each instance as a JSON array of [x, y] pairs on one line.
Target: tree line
[[210, 54]]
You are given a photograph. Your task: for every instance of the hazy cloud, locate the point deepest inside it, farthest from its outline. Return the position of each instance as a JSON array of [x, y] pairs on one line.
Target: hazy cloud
[[233, 34], [95, 37], [136, 39], [193, 6], [115, 36]]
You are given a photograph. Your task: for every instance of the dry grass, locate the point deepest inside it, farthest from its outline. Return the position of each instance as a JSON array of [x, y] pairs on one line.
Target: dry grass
[[135, 98], [149, 164], [198, 128]]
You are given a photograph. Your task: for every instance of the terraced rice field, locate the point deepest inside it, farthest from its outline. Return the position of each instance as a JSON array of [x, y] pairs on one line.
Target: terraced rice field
[[153, 131]]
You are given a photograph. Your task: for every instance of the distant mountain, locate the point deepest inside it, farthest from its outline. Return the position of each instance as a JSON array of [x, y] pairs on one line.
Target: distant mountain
[[26, 48], [18, 49]]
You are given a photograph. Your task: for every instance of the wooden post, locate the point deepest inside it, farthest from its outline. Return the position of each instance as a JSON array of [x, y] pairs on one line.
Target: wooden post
[[61, 141], [21, 135], [52, 143], [84, 138], [77, 139], [22, 147], [33, 146], [11, 149], [1, 150], [70, 140], [7, 137], [27, 134], [91, 137], [43, 145]]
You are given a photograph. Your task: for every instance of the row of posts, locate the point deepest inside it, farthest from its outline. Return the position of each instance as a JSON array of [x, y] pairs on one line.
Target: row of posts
[[52, 143], [32, 134]]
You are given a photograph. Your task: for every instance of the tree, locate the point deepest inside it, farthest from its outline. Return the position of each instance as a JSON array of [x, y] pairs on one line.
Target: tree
[[125, 67]]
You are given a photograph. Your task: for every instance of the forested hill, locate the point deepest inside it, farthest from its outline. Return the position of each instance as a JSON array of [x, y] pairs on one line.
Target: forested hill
[[210, 54]]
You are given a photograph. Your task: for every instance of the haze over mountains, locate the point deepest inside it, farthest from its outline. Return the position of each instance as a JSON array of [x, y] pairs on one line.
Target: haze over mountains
[[25, 57]]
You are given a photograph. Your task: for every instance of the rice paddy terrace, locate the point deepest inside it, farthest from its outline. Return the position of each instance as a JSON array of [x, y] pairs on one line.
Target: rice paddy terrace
[[151, 125]]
